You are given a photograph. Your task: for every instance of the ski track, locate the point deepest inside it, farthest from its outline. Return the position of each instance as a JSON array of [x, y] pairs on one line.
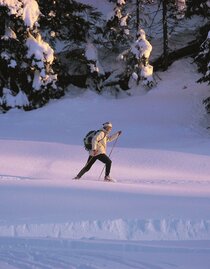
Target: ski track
[[48, 233], [68, 254]]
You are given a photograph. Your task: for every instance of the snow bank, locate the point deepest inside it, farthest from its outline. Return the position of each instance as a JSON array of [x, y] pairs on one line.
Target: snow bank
[[119, 229]]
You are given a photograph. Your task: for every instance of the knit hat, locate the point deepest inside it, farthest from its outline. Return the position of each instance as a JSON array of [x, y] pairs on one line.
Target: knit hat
[[107, 124]]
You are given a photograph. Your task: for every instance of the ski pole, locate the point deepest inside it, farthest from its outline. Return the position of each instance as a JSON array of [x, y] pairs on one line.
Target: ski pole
[[109, 155]]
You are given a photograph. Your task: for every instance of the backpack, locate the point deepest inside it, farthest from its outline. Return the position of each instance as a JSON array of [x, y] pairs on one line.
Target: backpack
[[88, 139]]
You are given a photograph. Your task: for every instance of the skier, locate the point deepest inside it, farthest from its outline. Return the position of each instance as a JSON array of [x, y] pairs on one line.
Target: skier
[[98, 151]]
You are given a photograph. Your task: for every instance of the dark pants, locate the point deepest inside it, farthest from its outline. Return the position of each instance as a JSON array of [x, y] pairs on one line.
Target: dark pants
[[91, 160]]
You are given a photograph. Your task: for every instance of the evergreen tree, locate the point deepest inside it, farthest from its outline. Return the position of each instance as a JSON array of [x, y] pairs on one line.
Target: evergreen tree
[[69, 21], [74, 24], [116, 31], [96, 74], [129, 46], [199, 7], [203, 61], [26, 77], [137, 61]]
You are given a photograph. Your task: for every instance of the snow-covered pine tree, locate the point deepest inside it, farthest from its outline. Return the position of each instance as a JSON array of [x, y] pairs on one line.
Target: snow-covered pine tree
[[203, 62], [137, 61], [68, 21], [73, 25], [27, 79], [116, 31], [141, 51], [96, 74]]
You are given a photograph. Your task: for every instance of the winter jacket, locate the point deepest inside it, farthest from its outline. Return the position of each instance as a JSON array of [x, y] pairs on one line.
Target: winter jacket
[[99, 141]]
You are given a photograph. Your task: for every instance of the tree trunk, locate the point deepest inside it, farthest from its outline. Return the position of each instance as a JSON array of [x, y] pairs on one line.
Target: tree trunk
[[190, 49], [165, 36], [137, 15]]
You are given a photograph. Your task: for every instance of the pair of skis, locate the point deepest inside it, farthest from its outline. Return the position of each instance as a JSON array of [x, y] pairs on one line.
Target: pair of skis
[[111, 180]]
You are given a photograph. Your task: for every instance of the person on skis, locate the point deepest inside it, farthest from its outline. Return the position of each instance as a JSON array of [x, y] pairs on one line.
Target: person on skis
[[98, 151]]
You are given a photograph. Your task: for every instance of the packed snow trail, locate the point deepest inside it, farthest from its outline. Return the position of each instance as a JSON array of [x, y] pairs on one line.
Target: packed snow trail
[[94, 254]]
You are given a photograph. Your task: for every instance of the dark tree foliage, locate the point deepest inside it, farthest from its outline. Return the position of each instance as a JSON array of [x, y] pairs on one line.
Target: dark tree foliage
[[68, 20], [198, 7], [18, 70], [203, 62], [12, 73], [74, 24], [202, 59], [116, 32]]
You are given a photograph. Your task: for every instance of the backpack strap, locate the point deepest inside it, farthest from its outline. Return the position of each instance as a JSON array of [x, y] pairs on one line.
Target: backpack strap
[[103, 132], [103, 137]]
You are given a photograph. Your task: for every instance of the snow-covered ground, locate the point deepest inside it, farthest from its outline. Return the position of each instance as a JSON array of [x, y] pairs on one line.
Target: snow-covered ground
[[157, 215]]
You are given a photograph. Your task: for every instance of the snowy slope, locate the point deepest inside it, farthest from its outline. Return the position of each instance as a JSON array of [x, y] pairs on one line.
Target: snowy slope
[[158, 213]]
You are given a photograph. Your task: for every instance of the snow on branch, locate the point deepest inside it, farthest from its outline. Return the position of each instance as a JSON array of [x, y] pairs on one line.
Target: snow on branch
[[39, 49], [28, 10], [92, 58]]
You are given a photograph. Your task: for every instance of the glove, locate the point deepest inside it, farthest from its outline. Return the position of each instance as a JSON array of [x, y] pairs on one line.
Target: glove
[[119, 133]]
